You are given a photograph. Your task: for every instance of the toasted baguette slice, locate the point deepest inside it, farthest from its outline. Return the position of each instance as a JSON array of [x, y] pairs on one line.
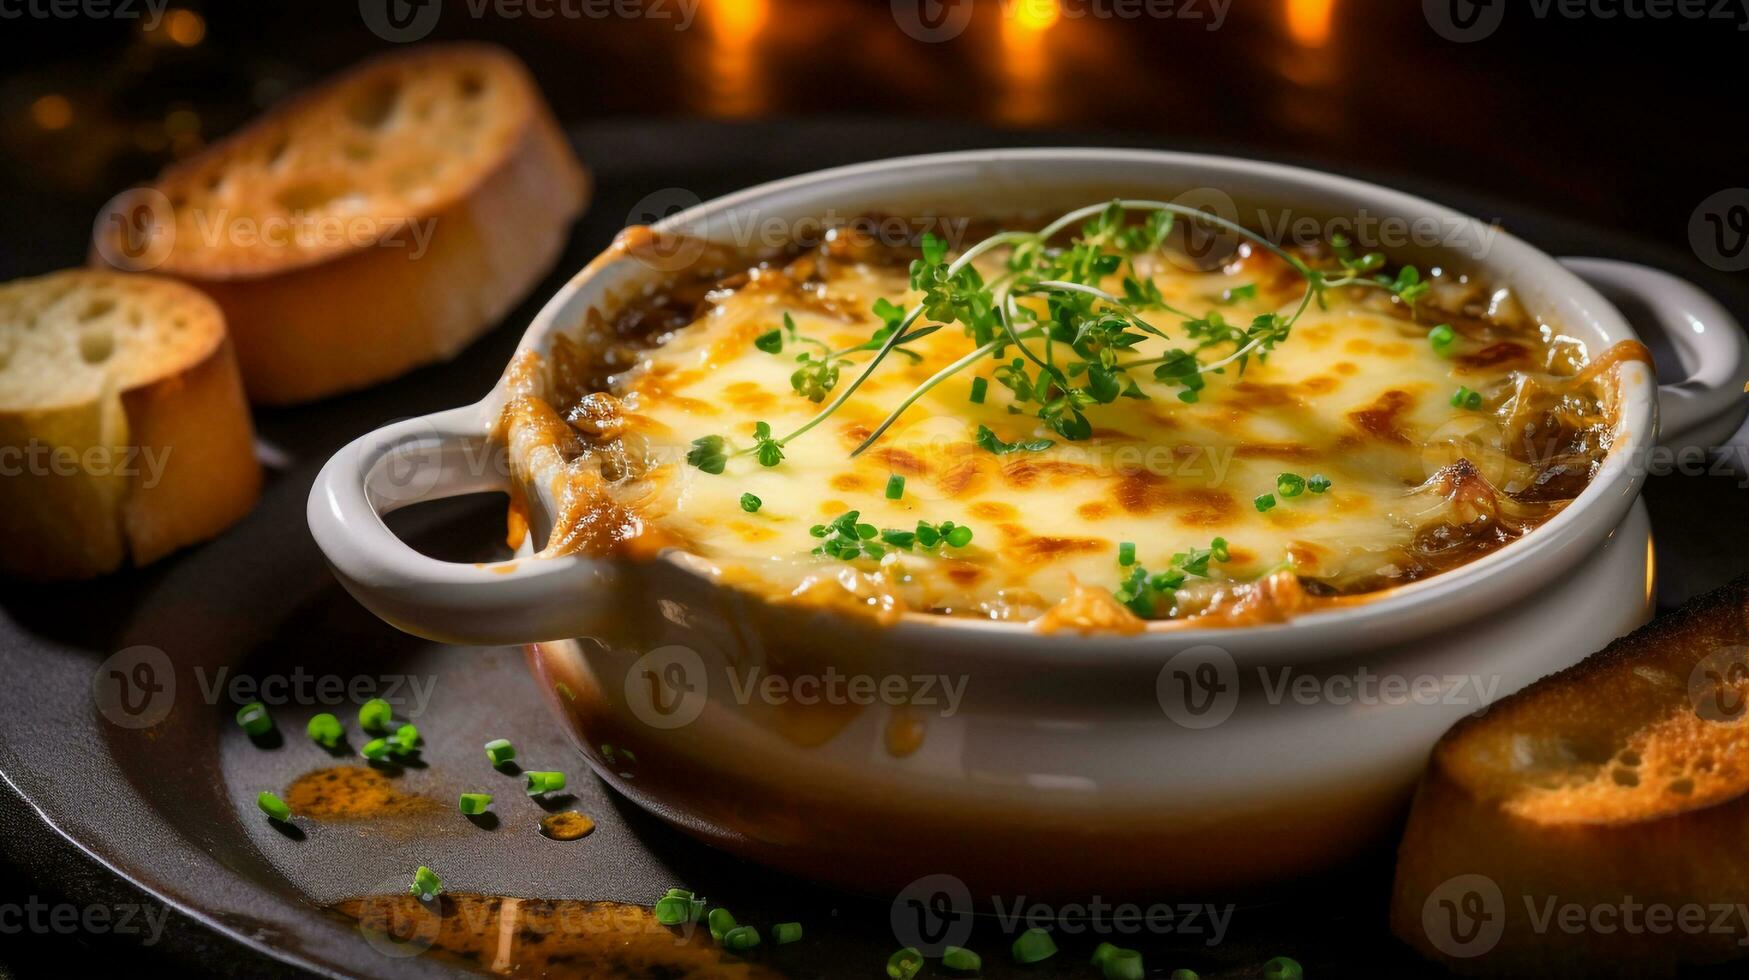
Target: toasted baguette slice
[[1596, 824], [376, 223], [123, 427]]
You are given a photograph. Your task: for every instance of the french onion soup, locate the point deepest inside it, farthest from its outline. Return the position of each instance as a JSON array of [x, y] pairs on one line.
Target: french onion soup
[[1075, 425]]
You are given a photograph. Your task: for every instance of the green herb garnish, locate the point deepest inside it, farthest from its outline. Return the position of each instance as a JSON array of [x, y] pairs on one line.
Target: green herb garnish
[[500, 751], [750, 503], [474, 804], [987, 440], [426, 884], [273, 806], [254, 719], [537, 782], [325, 730], [904, 964], [895, 486], [1034, 946], [374, 715]]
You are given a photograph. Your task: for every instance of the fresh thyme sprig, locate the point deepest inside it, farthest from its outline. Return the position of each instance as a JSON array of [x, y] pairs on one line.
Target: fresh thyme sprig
[[1095, 327]]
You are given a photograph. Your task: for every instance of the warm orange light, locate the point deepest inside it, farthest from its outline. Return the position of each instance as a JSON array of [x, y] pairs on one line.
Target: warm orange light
[[737, 21], [735, 25], [52, 112], [1035, 15], [1308, 21], [1026, 61], [185, 27]]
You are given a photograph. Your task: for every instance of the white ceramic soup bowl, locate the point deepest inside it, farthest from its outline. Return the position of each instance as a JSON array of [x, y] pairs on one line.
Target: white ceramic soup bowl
[[1021, 762]]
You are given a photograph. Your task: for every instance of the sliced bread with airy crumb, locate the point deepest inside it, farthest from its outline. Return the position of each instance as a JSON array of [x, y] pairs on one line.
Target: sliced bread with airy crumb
[[124, 433], [1596, 824], [376, 223]]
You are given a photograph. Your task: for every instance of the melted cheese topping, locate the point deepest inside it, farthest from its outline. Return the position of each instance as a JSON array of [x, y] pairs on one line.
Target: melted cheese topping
[[1357, 395]]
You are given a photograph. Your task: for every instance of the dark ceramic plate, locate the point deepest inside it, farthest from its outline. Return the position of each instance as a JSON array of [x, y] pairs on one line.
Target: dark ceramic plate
[[129, 784]]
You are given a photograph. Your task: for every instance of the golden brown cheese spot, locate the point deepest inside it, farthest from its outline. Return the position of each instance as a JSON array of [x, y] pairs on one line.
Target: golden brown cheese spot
[[1148, 493], [963, 573], [849, 482], [1316, 335], [961, 478], [1033, 549], [993, 510], [833, 507], [1321, 385], [900, 461], [749, 397], [1025, 472], [1345, 368], [1094, 510], [1304, 555], [1380, 419], [753, 532]]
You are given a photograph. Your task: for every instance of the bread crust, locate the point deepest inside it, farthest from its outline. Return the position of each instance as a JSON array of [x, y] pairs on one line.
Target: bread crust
[[308, 324], [1595, 824], [159, 459]]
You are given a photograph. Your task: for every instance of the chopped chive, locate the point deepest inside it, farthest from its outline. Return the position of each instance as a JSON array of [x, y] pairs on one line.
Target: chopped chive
[[961, 960], [406, 739], [500, 751], [786, 932], [1219, 551], [374, 715], [1123, 964], [1466, 398], [674, 910], [1185, 974], [959, 536], [324, 729], [1318, 484], [1100, 953], [904, 964], [1441, 337], [721, 921], [254, 719], [741, 938], [376, 748], [539, 781], [426, 884], [979, 387], [895, 487], [474, 803], [1034, 946], [1290, 484], [1265, 502], [273, 806], [750, 503], [1283, 968], [770, 342], [1126, 553]]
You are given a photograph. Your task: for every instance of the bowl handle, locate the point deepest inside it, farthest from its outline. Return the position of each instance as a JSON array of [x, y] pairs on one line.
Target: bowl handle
[[429, 458], [1705, 408]]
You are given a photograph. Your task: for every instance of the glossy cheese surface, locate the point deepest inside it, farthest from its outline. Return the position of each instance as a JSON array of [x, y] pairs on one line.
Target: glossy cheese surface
[[1357, 396]]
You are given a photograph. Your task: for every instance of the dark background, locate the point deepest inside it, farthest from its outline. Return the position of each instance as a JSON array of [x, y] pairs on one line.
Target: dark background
[[1627, 125]]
